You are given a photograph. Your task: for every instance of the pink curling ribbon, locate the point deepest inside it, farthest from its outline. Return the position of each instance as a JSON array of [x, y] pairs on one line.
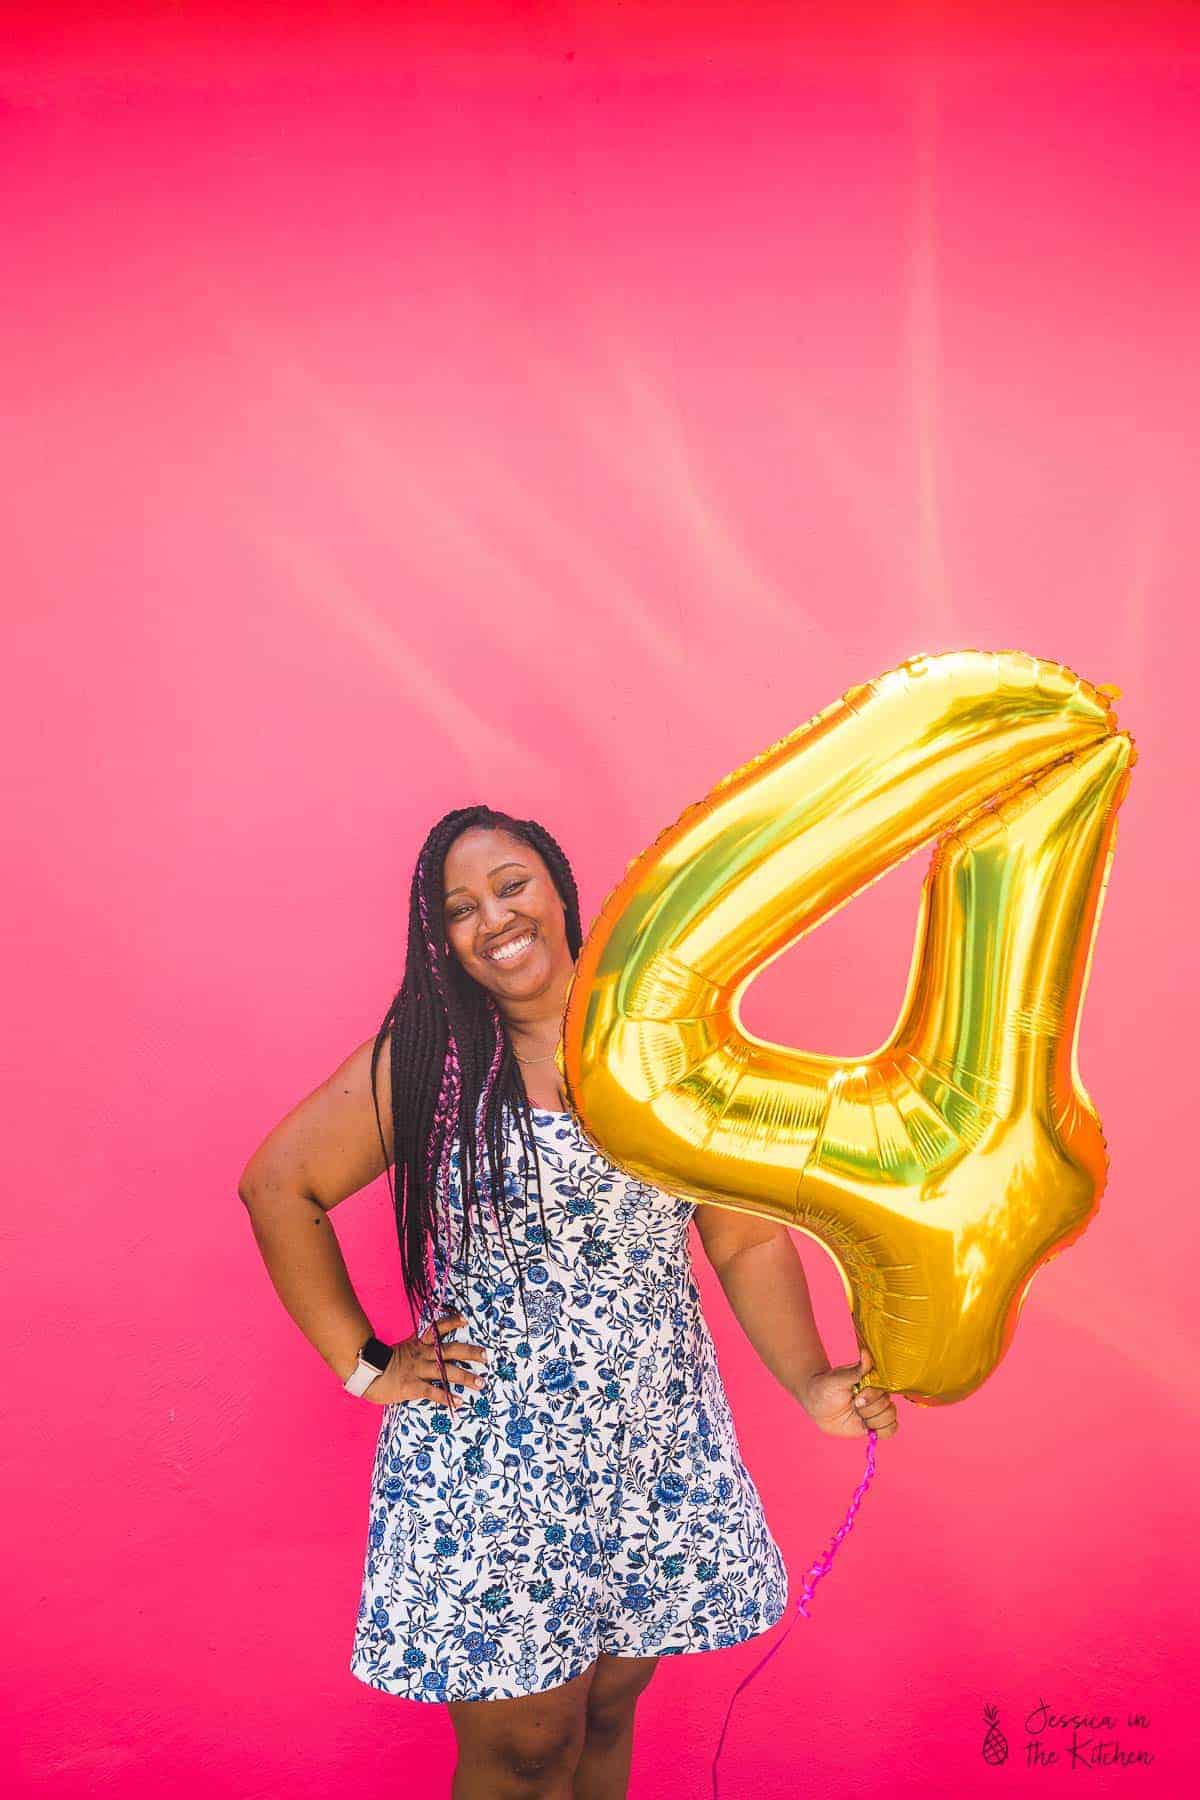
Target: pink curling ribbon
[[821, 1567]]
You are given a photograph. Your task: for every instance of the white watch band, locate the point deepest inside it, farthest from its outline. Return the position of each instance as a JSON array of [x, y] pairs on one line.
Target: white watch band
[[361, 1377]]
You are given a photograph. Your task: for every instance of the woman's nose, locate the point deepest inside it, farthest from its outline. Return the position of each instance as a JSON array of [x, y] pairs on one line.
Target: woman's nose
[[495, 918]]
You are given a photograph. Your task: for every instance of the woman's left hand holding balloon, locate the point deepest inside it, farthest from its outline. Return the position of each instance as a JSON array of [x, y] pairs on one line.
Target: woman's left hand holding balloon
[[833, 1406]]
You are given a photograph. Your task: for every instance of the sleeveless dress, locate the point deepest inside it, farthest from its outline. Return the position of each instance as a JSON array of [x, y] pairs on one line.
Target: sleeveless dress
[[591, 1497]]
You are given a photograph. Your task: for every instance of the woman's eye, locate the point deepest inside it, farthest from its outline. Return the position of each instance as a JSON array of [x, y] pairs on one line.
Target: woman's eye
[[510, 887]]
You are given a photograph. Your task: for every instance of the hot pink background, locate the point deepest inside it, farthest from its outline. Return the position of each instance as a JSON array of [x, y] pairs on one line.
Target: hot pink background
[[555, 405]]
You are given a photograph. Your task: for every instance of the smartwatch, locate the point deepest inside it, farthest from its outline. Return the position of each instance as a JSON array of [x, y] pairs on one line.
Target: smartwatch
[[373, 1359]]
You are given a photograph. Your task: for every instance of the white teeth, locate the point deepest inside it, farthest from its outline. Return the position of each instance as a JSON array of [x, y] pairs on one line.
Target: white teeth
[[508, 951]]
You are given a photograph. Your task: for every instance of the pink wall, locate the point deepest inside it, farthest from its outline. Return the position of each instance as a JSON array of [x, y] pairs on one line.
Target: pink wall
[[554, 406]]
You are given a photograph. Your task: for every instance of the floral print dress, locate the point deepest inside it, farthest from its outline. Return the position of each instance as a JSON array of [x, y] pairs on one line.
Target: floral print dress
[[592, 1496]]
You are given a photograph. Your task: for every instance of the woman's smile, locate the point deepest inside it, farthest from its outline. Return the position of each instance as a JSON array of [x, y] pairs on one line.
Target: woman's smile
[[512, 949]]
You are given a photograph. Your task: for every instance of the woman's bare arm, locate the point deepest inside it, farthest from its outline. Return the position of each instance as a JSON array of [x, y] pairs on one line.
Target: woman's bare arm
[[324, 1150], [760, 1270]]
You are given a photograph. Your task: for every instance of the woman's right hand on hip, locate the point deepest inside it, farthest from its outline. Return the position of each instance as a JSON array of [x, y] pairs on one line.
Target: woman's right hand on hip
[[414, 1374]]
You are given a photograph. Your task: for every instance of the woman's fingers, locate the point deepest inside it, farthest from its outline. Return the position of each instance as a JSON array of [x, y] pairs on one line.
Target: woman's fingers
[[454, 1362], [441, 1326], [457, 1354], [876, 1410], [427, 1373], [869, 1400]]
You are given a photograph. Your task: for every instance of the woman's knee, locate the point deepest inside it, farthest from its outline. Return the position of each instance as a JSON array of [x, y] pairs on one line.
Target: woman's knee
[[530, 1744], [538, 1758], [619, 1682]]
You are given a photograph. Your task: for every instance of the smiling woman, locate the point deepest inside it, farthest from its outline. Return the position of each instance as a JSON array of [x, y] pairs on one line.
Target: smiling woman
[[538, 1537], [505, 922]]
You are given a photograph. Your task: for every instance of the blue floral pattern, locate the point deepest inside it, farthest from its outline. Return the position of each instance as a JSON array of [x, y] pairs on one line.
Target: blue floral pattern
[[592, 1497]]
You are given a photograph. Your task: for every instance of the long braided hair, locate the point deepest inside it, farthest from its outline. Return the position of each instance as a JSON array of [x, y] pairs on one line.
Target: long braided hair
[[448, 1051]]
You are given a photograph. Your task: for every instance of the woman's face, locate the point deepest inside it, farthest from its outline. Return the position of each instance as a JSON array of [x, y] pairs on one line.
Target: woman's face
[[500, 893]]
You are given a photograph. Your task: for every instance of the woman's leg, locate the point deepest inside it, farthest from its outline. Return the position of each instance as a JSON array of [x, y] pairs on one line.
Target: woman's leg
[[522, 1749], [602, 1772]]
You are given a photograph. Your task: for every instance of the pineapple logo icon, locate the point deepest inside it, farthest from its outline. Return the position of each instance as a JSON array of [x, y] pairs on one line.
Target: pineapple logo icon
[[995, 1744]]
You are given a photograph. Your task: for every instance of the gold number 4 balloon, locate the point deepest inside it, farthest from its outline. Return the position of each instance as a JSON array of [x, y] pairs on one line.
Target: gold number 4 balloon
[[943, 1169]]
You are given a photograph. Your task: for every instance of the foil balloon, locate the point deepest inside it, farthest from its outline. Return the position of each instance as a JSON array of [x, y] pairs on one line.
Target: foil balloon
[[944, 1168]]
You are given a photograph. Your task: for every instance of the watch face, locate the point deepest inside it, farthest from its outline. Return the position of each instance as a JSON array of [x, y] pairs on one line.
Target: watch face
[[378, 1354]]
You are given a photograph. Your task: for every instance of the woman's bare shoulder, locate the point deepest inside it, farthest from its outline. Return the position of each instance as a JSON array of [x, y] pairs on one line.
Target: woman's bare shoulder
[[328, 1146]]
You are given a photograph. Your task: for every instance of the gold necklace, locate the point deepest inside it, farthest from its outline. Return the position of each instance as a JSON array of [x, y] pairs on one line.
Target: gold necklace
[[536, 1059]]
